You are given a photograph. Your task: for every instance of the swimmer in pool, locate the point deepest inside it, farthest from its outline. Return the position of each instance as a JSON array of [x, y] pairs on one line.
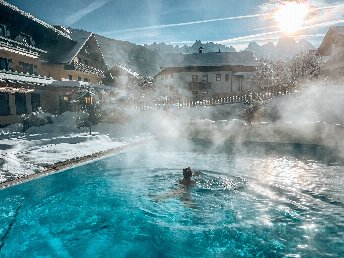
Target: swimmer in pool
[[183, 192], [187, 174]]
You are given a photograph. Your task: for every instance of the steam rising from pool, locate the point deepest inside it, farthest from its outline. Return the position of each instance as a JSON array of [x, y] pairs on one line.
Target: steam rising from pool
[[283, 201]]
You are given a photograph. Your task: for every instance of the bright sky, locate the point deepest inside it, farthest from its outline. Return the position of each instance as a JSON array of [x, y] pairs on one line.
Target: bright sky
[[231, 22]]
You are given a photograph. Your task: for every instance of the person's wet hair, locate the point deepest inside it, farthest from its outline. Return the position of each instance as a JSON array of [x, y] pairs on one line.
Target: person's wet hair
[[187, 173]]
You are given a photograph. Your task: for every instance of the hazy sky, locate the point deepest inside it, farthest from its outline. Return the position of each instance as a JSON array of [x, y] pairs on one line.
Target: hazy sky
[[181, 21]]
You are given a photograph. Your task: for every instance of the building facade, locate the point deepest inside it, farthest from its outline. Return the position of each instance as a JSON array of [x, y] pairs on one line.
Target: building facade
[[331, 51], [82, 62], [42, 65], [206, 75]]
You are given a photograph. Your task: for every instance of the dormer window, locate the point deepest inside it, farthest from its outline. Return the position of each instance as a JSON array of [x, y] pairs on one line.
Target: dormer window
[[25, 38]]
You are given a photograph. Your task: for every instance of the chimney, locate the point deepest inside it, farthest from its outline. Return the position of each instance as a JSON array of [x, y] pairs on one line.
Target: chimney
[[200, 50]]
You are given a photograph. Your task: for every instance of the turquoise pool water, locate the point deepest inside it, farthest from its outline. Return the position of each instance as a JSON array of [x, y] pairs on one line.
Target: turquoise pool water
[[249, 201]]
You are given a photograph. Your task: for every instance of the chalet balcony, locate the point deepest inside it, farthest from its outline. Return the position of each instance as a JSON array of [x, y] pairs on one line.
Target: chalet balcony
[[199, 85], [85, 68], [20, 48]]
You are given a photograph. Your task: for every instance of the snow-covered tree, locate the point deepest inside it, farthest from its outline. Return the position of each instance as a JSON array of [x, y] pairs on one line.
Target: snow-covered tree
[[270, 75], [304, 66], [90, 105]]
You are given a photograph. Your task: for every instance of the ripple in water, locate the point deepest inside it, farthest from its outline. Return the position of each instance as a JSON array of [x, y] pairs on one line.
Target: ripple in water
[[267, 205]]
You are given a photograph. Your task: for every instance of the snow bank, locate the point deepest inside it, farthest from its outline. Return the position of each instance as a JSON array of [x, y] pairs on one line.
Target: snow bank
[[27, 153]]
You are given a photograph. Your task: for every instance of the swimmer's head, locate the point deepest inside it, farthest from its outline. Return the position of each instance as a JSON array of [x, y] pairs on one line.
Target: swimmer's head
[[187, 173]]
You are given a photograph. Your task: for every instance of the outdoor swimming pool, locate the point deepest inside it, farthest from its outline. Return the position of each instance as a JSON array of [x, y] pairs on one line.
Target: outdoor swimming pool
[[273, 201]]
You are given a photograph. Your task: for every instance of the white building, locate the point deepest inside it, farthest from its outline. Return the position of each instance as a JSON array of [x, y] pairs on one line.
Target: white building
[[206, 75]]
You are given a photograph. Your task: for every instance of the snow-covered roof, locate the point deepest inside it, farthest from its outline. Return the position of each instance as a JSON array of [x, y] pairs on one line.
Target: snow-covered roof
[[15, 90], [81, 85], [126, 70], [244, 74], [244, 58], [78, 36], [16, 77], [29, 79], [31, 17]]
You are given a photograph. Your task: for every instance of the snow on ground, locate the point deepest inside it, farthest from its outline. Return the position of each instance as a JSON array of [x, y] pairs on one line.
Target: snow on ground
[[27, 153]]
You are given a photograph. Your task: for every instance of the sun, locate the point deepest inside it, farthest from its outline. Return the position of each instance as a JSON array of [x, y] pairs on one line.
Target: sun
[[290, 16]]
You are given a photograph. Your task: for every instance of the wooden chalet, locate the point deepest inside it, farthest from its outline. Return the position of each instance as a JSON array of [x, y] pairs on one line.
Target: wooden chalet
[[42, 65], [332, 51], [205, 75]]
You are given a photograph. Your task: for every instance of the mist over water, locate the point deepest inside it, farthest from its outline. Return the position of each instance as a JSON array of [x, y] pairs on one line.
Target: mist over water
[[313, 115]]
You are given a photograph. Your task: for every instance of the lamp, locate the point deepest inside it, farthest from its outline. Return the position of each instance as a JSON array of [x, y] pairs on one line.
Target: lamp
[[88, 99]]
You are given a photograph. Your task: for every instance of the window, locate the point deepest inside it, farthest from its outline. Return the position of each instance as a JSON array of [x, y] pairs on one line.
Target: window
[[20, 100], [78, 59], [26, 68], [35, 101], [85, 80], [218, 77], [3, 64], [79, 78], [70, 77], [4, 104], [2, 30], [205, 78], [6, 64], [86, 62], [10, 65], [194, 78], [227, 77], [35, 70]]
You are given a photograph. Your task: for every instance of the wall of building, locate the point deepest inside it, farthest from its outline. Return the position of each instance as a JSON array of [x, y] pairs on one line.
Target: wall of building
[[222, 83], [13, 116], [58, 72], [50, 99], [15, 60]]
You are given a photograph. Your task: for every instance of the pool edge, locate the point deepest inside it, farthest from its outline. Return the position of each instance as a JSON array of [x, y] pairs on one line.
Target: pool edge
[[72, 163]]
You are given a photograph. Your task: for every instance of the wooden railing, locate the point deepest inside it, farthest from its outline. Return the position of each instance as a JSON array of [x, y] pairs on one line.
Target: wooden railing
[[144, 104]]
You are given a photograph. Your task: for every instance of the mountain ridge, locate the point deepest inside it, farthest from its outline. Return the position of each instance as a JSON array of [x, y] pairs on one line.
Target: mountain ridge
[[285, 48]]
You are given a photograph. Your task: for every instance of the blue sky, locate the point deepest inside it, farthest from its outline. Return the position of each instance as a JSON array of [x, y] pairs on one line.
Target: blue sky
[[181, 21]]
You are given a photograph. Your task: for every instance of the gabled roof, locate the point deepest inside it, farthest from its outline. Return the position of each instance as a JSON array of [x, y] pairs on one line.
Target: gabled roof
[[80, 37], [31, 17], [334, 34], [244, 58], [122, 70]]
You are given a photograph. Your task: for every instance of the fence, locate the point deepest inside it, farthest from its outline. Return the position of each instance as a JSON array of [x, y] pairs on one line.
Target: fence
[[188, 103]]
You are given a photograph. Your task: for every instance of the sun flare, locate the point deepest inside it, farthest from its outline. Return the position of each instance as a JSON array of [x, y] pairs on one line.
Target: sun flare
[[291, 16]]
